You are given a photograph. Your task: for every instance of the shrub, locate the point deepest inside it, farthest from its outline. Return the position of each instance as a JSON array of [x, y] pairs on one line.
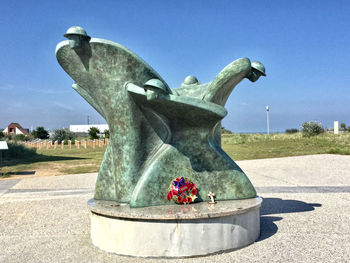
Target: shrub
[[72, 141], [16, 150], [81, 134], [62, 134], [40, 133], [106, 132], [1, 135], [19, 137], [28, 137], [291, 131], [311, 128], [93, 133], [8, 136], [343, 126], [225, 131]]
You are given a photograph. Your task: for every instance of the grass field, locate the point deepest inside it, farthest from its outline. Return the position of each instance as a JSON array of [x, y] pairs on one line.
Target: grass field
[[258, 146], [53, 162], [238, 146]]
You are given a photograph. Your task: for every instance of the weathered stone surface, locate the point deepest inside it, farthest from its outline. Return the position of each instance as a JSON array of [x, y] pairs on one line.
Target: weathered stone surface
[[173, 211], [175, 231], [156, 134]]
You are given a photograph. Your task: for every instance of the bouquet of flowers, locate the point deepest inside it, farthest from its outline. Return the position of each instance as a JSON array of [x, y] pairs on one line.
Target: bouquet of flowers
[[182, 191]]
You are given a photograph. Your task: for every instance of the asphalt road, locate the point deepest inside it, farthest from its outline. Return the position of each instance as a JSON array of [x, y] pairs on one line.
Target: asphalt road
[[305, 215]]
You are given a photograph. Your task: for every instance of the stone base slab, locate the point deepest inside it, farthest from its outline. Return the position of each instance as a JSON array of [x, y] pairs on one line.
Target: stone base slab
[[184, 231]]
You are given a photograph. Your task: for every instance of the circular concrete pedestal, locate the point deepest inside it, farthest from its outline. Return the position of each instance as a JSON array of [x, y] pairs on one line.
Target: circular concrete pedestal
[[174, 230]]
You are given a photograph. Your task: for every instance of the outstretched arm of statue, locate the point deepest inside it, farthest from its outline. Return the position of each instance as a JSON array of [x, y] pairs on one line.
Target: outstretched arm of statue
[[222, 86]]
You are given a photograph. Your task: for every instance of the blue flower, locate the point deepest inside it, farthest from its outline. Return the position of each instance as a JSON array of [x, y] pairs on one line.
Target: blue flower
[[177, 184]]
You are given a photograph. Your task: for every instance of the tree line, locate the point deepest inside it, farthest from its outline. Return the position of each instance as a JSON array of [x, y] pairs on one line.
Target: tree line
[[57, 135]]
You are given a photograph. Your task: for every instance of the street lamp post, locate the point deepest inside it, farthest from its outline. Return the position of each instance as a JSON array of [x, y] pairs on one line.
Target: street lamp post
[[267, 120]]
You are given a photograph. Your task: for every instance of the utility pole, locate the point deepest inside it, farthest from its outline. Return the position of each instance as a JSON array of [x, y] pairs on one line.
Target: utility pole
[[88, 119], [267, 120]]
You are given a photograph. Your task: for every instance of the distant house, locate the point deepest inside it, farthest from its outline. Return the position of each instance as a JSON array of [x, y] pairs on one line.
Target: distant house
[[15, 128], [85, 128]]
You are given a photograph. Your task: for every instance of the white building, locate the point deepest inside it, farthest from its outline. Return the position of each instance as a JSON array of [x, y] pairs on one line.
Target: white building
[[85, 128], [15, 128]]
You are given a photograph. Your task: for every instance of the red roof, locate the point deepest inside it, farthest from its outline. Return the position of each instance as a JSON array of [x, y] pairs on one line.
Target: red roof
[[19, 127]]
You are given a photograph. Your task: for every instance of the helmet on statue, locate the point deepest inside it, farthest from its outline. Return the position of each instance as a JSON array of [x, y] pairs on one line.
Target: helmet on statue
[[259, 67]]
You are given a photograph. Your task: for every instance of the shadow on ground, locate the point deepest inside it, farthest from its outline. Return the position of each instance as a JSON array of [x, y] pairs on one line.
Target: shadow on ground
[[19, 154], [273, 206], [22, 173], [37, 158]]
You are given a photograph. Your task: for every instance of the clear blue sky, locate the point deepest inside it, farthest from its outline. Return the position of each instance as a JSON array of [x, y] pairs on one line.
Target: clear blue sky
[[304, 45]]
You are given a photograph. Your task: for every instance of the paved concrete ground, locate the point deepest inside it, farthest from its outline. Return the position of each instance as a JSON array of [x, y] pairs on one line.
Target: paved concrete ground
[[305, 215]]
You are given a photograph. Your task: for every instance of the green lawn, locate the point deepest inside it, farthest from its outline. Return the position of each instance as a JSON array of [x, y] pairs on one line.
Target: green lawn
[[53, 161], [258, 146], [238, 146]]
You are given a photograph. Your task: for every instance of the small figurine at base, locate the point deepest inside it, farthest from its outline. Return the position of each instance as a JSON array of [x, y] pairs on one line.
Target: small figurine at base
[[211, 196]]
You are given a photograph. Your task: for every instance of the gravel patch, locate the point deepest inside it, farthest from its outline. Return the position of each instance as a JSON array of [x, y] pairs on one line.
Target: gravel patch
[[304, 218]]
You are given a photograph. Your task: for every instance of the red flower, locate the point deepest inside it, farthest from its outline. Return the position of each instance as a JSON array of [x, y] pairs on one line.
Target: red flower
[[194, 191], [183, 194], [189, 199], [177, 179], [179, 199]]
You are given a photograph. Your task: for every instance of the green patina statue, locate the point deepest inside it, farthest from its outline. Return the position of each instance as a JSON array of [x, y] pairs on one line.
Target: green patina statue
[[156, 133]]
